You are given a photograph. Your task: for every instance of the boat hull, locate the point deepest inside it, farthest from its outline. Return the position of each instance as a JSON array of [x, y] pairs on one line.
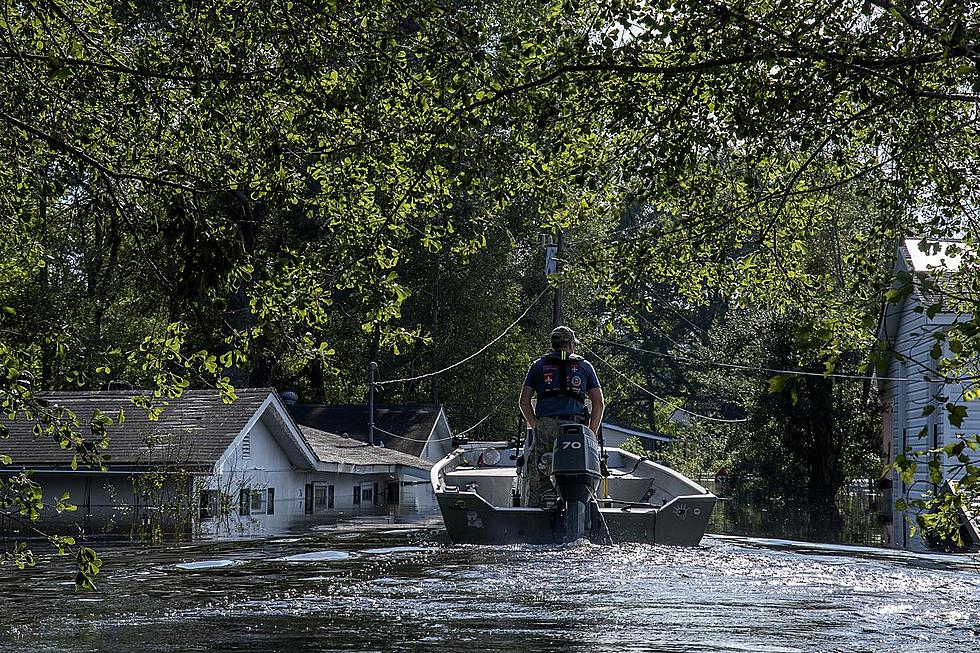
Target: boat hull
[[470, 519]]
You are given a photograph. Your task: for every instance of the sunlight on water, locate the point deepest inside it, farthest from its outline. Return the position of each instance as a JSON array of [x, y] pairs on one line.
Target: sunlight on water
[[316, 556], [207, 564], [406, 590]]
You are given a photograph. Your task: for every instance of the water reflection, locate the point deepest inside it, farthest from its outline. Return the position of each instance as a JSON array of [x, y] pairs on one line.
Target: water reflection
[[857, 519]]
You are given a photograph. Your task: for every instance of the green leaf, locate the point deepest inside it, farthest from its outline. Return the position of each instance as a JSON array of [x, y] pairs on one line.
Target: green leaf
[[777, 383], [956, 414]]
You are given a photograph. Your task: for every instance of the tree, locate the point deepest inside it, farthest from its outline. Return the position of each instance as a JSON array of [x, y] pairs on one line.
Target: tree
[[268, 187]]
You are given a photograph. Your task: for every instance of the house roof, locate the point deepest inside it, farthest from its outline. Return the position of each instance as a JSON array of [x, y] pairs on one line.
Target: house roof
[[933, 266], [405, 428], [193, 430], [333, 448], [933, 263]]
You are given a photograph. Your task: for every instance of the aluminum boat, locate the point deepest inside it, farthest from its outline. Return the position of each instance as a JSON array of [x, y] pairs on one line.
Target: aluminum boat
[[629, 499]]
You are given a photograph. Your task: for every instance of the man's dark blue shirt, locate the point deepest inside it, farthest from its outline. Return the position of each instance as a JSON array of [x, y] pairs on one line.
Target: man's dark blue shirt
[[544, 375]]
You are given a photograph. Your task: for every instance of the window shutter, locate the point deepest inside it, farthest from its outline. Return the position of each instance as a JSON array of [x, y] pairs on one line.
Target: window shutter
[[330, 497], [243, 495], [270, 506], [308, 506]]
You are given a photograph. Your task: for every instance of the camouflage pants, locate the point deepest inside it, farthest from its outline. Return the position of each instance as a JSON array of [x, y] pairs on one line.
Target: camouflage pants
[[535, 477]]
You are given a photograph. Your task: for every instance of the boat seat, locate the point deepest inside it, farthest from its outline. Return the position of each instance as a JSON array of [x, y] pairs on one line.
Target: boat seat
[[494, 484], [629, 488]]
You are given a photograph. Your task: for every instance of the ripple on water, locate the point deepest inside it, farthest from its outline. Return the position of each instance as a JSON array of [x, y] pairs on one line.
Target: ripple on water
[[726, 595], [399, 549], [316, 556], [208, 564]]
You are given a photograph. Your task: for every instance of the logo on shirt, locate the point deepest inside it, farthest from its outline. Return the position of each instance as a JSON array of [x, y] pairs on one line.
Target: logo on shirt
[[576, 381], [549, 374]]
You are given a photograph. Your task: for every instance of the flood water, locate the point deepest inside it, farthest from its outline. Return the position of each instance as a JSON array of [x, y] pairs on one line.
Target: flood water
[[369, 586]]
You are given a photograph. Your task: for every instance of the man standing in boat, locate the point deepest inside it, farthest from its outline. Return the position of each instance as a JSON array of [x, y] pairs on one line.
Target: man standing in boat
[[562, 381]]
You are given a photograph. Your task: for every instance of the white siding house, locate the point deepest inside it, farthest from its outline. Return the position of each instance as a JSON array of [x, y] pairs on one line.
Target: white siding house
[[209, 466], [909, 382]]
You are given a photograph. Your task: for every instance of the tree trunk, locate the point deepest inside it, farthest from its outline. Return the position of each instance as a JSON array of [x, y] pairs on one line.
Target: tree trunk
[[824, 459]]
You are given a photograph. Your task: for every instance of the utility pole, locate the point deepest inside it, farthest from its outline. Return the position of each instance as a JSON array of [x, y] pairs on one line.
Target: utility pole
[[372, 371], [552, 266], [558, 317]]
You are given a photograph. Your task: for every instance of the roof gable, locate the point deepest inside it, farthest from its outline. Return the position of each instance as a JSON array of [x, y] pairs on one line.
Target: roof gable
[[931, 267], [286, 433]]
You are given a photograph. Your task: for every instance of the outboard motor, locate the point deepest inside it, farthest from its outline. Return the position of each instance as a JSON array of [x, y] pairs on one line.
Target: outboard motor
[[575, 473]]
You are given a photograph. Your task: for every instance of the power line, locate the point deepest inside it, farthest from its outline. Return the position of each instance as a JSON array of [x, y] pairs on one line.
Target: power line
[[484, 418], [405, 437], [672, 310], [753, 368], [658, 397], [474, 354], [450, 437]]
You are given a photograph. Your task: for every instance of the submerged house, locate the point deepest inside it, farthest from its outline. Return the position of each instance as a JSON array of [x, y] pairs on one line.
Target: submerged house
[[353, 475], [909, 382], [207, 465]]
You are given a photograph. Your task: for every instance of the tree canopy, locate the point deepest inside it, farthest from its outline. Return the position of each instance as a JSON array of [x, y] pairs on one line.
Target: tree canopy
[[251, 193]]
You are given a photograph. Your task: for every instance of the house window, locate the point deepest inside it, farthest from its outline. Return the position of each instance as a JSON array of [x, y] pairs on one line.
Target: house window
[[375, 495], [319, 497], [357, 495], [367, 493], [257, 502], [210, 504], [322, 497]]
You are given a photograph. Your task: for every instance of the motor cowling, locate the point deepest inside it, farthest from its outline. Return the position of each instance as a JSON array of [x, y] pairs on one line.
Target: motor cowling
[[575, 473]]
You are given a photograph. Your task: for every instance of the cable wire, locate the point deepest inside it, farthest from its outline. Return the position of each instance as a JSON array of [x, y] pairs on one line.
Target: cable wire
[[485, 417], [753, 368], [658, 397], [405, 437], [474, 354]]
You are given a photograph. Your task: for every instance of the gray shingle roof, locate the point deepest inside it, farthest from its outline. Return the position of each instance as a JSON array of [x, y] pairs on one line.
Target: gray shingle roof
[[412, 424], [193, 430], [332, 448]]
